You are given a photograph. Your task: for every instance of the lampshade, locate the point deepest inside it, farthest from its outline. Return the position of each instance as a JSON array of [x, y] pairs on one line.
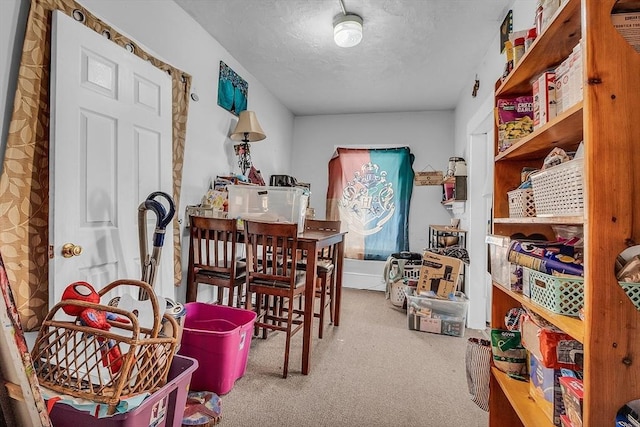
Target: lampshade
[[248, 129], [347, 30]]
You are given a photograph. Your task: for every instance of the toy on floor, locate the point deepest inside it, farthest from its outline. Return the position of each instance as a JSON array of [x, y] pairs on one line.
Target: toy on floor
[[203, 409], [83, 291]]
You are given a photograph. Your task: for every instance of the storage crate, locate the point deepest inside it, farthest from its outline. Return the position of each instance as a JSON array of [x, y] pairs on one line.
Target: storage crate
[[521, 203], [446, 317], [559, 190], [165, 407], [269, 204], [560, 295], [219, 337], [498, 259]]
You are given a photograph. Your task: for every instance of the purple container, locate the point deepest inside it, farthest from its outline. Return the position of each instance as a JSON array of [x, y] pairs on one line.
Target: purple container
[[218, 337], [165, 407]]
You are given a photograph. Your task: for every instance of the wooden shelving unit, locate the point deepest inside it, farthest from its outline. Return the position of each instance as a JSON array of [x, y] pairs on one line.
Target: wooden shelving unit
[[610, 331]]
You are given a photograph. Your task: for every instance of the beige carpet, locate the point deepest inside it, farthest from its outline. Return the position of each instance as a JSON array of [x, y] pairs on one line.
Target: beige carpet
[[369, 371]]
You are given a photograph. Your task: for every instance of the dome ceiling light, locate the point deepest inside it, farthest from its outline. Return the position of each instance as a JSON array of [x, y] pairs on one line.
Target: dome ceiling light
[[347, 28]]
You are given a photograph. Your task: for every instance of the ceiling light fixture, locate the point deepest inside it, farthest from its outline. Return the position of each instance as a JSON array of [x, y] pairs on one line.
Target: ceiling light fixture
[[347, 28]]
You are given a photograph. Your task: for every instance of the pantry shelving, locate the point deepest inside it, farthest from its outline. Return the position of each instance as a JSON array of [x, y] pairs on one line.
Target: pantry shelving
[[606, 121]]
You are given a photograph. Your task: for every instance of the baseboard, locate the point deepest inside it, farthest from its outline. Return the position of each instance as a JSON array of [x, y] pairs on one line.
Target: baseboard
[[359, 274]]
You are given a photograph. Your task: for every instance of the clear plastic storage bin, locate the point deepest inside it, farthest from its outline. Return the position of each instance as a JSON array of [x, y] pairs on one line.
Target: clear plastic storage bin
[[269, 204]]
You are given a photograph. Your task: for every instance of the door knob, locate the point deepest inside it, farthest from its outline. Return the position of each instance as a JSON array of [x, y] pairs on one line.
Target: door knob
[[69, 250]]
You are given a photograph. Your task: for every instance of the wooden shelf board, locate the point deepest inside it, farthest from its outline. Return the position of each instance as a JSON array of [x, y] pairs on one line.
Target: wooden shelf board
[[571, 325], [564, 131], [517, 392], [447, 229], [548, 50], [541, 220]]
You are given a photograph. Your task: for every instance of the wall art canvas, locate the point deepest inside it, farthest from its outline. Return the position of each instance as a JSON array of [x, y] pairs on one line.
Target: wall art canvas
[[506, 28], [232, 90]]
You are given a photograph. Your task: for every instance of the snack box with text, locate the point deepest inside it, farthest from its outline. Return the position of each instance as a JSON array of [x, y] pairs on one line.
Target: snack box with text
[[544, 387]]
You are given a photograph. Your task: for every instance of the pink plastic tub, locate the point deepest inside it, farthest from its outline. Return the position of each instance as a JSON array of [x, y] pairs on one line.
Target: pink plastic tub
[[219, 337], [163, 408]]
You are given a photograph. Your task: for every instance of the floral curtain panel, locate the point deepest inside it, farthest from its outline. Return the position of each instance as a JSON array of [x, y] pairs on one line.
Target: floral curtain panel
[[24, 183], [370, 192]]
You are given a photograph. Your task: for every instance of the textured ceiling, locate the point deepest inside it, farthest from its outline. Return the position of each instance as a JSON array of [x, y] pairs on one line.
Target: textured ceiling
[[415, 55]]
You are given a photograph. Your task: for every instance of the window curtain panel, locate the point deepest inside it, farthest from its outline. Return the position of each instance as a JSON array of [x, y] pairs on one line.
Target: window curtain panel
[[24, 183], [370, 192]]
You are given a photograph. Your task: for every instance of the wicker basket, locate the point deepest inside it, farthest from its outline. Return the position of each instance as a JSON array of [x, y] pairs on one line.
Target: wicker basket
[[521, 203], [560, 295], [559, 190], [69, 357]]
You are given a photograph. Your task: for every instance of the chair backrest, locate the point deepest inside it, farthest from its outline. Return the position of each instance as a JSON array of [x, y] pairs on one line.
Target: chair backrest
[[323, 225], [272, 251], [213, 244]]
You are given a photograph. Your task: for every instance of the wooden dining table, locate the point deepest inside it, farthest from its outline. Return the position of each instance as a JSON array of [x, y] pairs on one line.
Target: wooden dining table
[[312, 241]]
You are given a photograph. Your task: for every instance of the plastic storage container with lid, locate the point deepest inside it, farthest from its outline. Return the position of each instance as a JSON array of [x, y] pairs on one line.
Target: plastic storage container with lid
[[218, 337]]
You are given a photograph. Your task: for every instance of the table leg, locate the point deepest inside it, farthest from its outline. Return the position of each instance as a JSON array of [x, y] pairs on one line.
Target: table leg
[[309, 302], [338, 292]]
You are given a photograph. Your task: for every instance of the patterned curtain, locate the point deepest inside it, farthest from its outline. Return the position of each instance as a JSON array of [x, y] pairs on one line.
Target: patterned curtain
[[370, 192], [24, 184]]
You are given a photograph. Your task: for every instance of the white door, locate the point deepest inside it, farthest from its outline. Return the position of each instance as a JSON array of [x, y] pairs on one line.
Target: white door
[[110, 148]]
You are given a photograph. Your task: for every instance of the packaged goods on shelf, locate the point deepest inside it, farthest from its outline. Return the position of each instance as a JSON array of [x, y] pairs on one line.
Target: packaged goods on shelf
[[544, 387], [572, 397], [553, 349], [544, 99], [508, 353], [514, 118], [562, 82], [575, 75], [628, 25], [547, 257]]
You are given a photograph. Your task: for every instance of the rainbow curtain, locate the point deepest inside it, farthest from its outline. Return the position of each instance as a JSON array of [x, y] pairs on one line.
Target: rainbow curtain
[[370, 192]]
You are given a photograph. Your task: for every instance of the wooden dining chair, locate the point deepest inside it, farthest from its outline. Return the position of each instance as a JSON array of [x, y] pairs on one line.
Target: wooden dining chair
[[272, 254], [213, 259], [325, 285]]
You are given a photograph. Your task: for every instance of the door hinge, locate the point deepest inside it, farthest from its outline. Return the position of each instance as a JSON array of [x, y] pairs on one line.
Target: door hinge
[[50, 251]]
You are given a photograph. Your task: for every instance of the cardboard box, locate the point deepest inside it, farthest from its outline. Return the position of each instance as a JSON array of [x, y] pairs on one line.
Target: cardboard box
[[575, 75], [562, 81], [572, 396], [544, 99], [544, 388], [628, 25], [439, 275]]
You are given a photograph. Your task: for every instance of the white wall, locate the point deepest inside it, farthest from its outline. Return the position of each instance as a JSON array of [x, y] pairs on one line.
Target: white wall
[[162, 28], [473, 119], [429, 134]]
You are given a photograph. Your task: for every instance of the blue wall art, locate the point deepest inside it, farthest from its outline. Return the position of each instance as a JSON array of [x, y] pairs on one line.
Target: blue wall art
[[232, 90]]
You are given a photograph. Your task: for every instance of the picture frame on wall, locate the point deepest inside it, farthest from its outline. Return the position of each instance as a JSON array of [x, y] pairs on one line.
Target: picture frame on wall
[[506, 28], [233, 90]]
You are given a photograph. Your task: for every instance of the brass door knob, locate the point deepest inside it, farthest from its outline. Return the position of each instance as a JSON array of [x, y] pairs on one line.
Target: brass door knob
[[69, 250]]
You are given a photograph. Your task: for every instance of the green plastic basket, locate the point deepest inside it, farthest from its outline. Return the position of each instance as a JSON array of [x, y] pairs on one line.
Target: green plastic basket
[[633, 292], [560, 295]]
